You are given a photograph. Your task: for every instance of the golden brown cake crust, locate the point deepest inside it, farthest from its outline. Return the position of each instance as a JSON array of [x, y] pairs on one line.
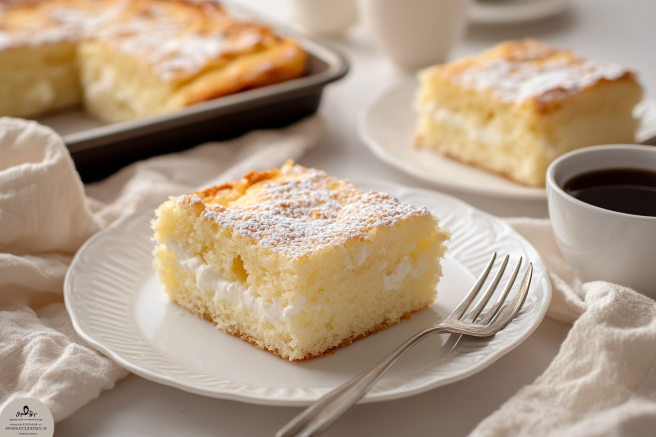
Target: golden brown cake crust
[[531, 73], [220, 194]]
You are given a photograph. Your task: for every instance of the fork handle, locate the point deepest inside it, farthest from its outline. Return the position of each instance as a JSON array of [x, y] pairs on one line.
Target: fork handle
[[318, 417]]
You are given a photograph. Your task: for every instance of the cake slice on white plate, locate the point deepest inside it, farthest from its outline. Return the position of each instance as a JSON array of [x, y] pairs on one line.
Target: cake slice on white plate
[[515, 108], [296, 262]]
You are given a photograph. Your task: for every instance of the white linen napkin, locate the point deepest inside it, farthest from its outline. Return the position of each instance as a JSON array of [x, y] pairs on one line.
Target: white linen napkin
[[45, 217], [603, 380]]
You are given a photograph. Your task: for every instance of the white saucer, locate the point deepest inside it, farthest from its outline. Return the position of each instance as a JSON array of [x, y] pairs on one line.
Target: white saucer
[[514, 11], [387, 126], [117, 305]]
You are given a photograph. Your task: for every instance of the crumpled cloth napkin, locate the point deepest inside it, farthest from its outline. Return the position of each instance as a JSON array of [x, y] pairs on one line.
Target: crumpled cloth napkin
[[45, 217], [603, 380]]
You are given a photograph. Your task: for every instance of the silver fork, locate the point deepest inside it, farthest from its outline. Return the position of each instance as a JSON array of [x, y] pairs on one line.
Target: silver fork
[[319, 416]]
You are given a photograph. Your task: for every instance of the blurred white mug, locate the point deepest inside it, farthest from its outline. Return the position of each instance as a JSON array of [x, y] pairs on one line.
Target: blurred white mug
[[325, 17], [415, 33]]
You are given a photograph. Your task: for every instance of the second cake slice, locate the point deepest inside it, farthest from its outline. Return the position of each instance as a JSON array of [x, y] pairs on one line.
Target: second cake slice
[[515, 108]]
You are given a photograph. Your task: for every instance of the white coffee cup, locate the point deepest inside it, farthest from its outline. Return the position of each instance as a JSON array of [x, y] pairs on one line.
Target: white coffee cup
[[598, 243], [325, 17], [414, 33]]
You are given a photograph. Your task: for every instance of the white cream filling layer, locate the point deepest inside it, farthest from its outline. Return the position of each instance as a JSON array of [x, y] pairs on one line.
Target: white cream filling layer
[[487, 134], [210, 280], [394, 280], [360, 257]]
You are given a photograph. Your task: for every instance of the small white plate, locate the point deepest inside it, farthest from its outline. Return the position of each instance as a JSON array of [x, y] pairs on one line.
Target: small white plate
[[118, 306], [514, 11], [387, 126]]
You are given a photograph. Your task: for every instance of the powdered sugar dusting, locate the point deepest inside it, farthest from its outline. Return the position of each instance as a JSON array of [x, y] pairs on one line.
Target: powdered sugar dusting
[[56, 21], [309, 211], [164, 43], [515, 81], [176, 43]]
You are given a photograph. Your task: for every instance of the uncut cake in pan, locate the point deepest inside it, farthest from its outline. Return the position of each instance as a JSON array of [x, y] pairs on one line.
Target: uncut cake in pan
[[130, 59]]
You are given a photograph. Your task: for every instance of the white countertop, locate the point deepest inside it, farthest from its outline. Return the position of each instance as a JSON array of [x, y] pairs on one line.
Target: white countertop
[[599, 29]]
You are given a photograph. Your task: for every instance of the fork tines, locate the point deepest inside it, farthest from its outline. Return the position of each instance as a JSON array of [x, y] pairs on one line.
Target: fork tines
[[493, 314]]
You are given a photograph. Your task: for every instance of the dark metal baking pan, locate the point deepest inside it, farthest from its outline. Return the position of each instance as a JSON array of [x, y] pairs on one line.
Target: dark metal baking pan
[[100, 151]]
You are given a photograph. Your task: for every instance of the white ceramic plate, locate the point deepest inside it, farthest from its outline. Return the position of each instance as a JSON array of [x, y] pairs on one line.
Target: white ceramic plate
[[118, 306], [387, 126], [514, 11]]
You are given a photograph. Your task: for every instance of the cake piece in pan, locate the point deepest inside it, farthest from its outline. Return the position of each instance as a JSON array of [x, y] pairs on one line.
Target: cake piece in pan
[[513, 109], [296, 262], [129, 59]]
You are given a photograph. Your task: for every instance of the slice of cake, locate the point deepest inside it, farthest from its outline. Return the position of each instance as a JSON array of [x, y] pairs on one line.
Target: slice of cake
[[38, 46], [516, 107], [296, 262], [129, 59], [161, 55]]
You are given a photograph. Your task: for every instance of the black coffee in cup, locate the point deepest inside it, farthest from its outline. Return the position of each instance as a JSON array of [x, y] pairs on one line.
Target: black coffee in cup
[[629, 191]]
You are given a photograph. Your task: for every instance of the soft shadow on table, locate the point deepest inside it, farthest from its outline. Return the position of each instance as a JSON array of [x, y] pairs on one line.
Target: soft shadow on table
[[149, 409]]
